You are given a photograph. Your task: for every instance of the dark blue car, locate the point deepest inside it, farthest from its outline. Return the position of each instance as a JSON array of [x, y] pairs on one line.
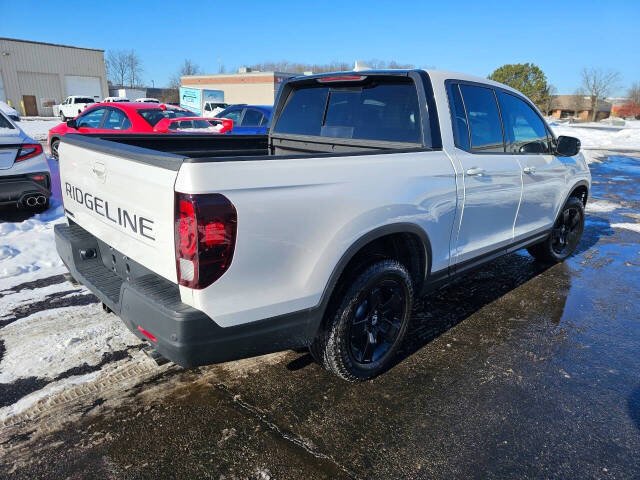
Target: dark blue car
[[248, 119]]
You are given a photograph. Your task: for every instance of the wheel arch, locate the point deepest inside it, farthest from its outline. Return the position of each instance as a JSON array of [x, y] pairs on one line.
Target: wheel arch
[[391, 232]]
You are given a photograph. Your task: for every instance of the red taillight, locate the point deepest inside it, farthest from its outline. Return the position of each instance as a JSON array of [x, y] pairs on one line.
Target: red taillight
[[343, 78], [147, 334], [205, 238], [28, 150], [38, 178]]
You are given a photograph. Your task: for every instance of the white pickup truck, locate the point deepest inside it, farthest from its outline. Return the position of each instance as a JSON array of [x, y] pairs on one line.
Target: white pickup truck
[[370, 189], [72, 107]]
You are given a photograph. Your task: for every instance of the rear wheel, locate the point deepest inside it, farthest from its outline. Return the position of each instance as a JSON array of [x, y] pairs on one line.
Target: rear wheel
[[62, 117], [55, 143], [369, 323], [565, 235]]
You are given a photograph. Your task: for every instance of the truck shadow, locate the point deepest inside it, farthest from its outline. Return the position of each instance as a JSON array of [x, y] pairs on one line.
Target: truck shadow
[[441, 310]]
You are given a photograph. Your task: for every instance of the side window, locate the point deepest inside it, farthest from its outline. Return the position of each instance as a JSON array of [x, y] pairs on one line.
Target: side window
[[233, 115], [116, 120], [458, 118], [252, 118], [207, 107], [523, 128], [485, 126], [91, 119]]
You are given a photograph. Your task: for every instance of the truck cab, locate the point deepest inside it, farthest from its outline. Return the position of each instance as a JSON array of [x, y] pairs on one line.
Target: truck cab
[[72, 106]]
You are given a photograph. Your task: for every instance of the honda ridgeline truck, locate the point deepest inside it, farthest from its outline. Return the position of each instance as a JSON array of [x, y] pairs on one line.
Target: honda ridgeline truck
[[371, 188]]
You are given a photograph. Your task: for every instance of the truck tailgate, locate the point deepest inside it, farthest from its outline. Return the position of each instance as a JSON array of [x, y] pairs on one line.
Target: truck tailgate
[[124, 196]]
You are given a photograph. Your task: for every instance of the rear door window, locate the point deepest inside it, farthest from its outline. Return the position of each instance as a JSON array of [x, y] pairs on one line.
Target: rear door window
[[116, 120], [252, 118], [524, 130], [458, 118], [483, 118], [379, 110]]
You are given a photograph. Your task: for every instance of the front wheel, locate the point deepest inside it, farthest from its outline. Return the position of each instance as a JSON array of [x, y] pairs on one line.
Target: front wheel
[[366, 329], [565, 235]]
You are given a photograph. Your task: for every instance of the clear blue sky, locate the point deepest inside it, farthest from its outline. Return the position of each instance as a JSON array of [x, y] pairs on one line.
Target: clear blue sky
[[472, 37]]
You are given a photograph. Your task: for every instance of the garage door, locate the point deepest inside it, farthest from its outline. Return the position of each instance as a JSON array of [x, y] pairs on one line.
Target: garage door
[[44, 87], [89, 86]]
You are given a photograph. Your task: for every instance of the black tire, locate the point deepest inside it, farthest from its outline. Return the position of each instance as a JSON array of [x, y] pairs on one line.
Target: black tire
[[55, 143], [370, 320], [565, 235], [62, 117]]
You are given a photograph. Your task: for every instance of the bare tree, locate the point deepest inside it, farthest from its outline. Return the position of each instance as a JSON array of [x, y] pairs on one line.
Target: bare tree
[[633, 94], [551, 91], [188, 68], [134, 69], [117, 66], [598, 83]]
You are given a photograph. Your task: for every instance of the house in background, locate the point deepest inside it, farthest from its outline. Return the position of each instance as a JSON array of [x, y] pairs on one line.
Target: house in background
[[577, 106], [246, 86]]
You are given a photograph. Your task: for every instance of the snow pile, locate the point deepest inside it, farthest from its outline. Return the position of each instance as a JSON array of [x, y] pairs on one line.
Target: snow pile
[[38, 129], [597, 139], [601, 206], [27, 248]]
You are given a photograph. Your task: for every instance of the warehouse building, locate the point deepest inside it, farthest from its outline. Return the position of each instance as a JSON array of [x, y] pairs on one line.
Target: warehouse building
[[36, 75], [254, 88]]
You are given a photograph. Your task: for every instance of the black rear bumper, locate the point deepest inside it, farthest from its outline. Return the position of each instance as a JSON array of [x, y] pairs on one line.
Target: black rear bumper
[[183, 334], [15, 187]]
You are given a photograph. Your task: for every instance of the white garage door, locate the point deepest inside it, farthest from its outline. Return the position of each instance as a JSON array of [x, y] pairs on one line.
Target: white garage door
[[89, 86]]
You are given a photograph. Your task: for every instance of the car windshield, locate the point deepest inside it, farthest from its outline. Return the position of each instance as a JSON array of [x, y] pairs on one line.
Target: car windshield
[[154, 115]]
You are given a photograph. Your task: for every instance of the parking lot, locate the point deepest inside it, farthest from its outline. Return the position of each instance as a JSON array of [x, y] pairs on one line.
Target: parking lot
[[519, 370]]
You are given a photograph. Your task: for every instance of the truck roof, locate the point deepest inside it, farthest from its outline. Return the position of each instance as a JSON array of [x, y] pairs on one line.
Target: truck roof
[[440, 75]]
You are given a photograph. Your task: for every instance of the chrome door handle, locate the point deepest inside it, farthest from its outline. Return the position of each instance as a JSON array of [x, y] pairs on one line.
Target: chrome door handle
[[476, 172], [529, 170]]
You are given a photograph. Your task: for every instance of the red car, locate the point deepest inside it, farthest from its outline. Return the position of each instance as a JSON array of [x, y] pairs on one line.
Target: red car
[[132, 117]]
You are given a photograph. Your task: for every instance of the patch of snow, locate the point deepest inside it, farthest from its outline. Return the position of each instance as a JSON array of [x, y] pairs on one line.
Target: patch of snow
[[27, 248], [28, 401], [41, 345], [597, 139], [39, 129], [635, 227], [602, 206]]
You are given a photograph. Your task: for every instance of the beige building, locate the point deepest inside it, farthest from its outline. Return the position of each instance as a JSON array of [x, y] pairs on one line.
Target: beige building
[[35, 75], [578, 106], [254, 88]]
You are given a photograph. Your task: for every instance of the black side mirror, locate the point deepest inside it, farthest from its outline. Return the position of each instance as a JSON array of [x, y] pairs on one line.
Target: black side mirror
[[71, 123], [533, 147], [567, 146]]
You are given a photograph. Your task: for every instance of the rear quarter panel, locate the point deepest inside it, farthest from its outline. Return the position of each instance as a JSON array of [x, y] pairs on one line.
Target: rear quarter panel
[[297, 217]]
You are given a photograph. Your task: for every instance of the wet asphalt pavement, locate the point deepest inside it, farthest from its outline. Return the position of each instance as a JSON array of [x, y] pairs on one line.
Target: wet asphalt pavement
[[519, 371]]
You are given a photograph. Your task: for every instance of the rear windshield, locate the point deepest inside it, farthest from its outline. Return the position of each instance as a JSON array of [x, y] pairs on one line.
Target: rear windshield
[[84, 100], [154, 115], [381, 110], [190, 124], [4, 123]]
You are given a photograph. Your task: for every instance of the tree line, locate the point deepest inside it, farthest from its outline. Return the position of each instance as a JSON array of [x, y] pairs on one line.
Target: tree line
[[596, 83]]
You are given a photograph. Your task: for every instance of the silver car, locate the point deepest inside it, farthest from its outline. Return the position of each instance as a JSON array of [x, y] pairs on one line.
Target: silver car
[[25, 180]]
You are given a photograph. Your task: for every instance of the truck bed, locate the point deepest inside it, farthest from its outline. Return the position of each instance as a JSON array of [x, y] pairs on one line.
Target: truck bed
[[171, 150]]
